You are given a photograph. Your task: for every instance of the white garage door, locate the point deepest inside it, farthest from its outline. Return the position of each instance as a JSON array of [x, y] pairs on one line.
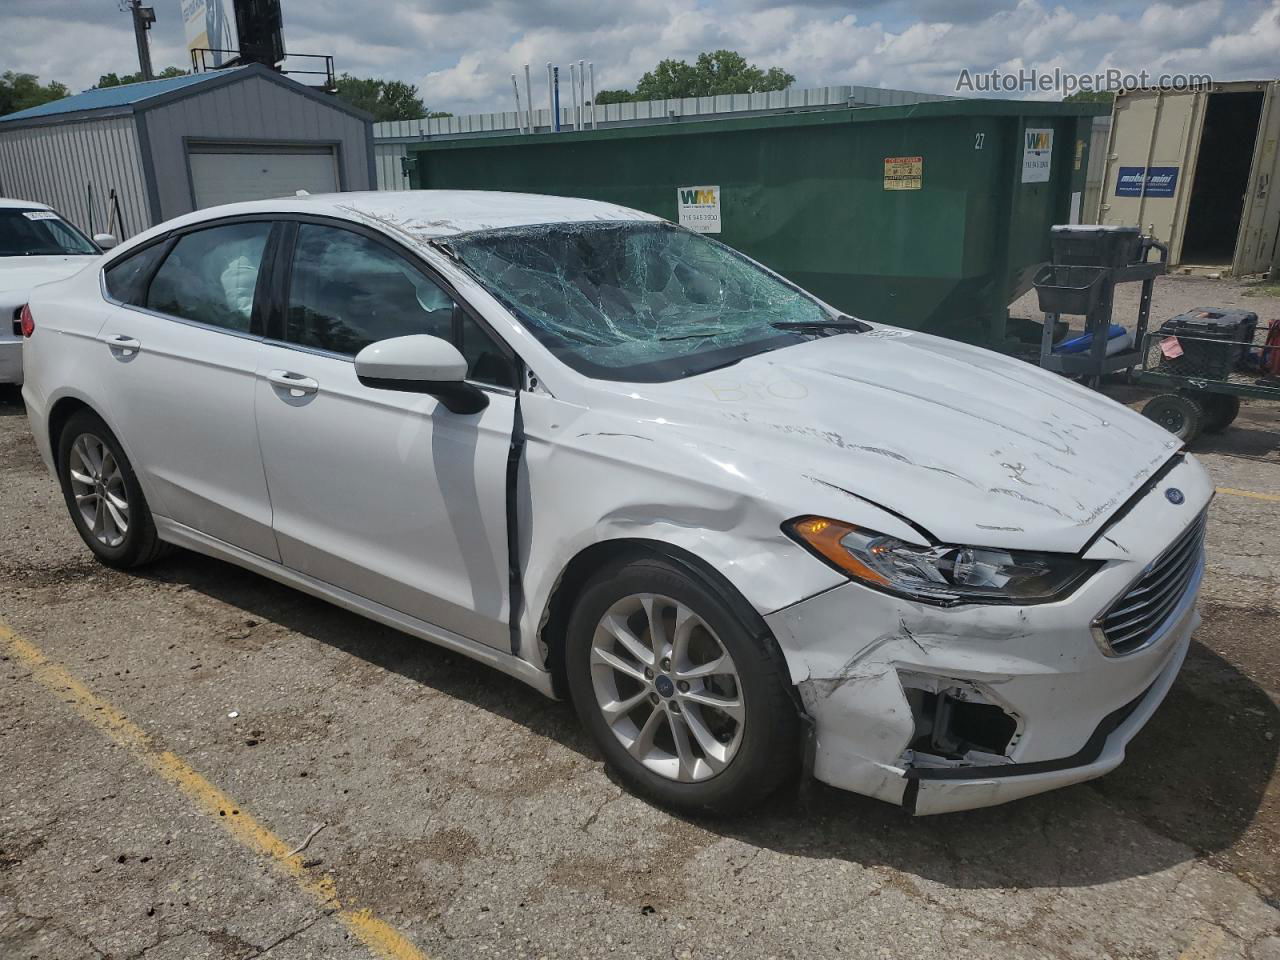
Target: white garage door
[[228, 176]]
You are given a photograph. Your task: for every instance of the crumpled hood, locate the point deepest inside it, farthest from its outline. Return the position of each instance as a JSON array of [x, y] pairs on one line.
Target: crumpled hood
[[974, 447], [19, 274]]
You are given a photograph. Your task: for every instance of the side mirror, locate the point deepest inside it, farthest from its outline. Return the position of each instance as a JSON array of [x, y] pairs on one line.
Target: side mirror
[[421, 364], [105, 240]]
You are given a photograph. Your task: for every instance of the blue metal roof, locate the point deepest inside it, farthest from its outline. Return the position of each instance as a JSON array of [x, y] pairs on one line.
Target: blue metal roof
[[121, 96]]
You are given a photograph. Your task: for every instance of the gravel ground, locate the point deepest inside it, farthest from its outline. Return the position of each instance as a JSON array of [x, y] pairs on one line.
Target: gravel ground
[[472, 816]]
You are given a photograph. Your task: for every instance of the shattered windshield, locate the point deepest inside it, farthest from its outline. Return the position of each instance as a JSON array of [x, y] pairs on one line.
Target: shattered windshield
[[634, 300]]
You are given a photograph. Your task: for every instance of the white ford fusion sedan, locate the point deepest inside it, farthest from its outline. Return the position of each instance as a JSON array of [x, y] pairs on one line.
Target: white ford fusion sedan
[[749, 537]]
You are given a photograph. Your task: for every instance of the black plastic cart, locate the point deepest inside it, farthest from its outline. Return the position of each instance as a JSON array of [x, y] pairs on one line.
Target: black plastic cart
[[1088, 262]]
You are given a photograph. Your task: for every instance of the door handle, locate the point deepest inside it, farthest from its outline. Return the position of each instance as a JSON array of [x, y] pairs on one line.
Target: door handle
[[125, 346], [298, 385]]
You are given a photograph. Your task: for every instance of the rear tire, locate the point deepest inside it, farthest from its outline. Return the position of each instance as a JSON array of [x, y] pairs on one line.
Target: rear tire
[[1179, 414], [674, 745], [1220, 411], [103, 495]]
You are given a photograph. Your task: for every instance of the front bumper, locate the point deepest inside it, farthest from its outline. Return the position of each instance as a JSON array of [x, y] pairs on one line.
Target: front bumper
[[11, 361], [864, 662]]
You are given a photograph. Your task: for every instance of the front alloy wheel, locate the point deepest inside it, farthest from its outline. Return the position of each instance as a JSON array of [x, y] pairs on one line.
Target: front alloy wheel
[[667, 687], [681, 685]]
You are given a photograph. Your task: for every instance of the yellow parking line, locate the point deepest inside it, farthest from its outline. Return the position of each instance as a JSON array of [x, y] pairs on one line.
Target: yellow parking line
[[382, 940], [1270, 497]]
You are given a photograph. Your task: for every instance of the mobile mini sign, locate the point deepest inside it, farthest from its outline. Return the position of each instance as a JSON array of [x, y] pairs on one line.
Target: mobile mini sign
[[699, 208], [1157, 181]]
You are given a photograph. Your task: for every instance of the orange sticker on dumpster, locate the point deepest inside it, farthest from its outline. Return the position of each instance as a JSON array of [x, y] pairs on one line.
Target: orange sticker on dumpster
[[903, 173]]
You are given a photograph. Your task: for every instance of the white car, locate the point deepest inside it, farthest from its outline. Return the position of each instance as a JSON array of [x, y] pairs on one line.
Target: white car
[[36, 246], [748, 536]]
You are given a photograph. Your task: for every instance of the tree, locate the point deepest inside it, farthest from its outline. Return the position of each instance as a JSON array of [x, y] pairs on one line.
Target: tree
[[115, 80], [18, 91], [1090, 96], [614, 96], [385, 99], [712, 74]]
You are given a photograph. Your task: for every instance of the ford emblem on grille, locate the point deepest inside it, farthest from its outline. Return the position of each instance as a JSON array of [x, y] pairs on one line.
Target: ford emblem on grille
[[1174, 495]]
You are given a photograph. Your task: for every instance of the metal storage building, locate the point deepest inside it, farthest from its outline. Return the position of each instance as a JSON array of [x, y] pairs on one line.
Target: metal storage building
[[1199, 167], [132, 156]]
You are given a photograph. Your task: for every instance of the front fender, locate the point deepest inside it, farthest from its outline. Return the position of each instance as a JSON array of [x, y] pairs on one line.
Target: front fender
[[591, 478]]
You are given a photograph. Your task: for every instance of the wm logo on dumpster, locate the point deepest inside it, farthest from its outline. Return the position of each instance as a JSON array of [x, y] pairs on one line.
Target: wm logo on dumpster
[[1039, 139], [697, 196]]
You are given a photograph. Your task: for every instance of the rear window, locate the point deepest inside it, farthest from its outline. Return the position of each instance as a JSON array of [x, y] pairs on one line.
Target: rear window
[[40, 233], [127, 278]]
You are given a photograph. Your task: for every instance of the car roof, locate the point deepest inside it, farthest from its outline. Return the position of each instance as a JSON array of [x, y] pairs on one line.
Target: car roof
[[9, 204], [424, 215]]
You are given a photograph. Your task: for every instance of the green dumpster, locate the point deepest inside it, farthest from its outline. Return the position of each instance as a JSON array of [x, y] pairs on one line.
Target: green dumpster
[[932, 216]]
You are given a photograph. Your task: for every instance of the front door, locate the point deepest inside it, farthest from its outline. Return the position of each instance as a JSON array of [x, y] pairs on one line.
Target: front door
[[385, 494]]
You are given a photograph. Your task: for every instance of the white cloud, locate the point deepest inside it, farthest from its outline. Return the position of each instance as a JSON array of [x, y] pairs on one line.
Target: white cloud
[[462, 52]]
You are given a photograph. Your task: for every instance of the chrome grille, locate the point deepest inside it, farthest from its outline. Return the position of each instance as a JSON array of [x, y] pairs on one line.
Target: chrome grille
[[1134, 620]]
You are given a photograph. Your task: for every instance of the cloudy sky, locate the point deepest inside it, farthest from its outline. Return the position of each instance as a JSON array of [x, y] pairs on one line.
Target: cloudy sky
[[461, 52]]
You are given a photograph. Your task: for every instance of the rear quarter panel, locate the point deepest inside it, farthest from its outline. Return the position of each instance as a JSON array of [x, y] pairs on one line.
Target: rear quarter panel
[[63, 358]]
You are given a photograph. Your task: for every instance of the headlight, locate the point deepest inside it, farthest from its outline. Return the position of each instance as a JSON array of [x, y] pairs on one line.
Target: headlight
[[940, 574]]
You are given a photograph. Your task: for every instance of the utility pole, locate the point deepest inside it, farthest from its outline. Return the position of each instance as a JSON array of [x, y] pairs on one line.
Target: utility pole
[[143, 18]]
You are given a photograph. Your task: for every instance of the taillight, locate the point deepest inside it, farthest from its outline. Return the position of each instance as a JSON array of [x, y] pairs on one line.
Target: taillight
[[26, 322]]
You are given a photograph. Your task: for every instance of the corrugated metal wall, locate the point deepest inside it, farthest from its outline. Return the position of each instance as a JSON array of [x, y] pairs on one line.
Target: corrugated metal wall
[[58, 165], [387, 156], [1101, 133], [254, 110]]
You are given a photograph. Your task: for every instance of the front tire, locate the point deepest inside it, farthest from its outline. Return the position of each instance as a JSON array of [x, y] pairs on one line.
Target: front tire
[[103, 495], [689, 705]]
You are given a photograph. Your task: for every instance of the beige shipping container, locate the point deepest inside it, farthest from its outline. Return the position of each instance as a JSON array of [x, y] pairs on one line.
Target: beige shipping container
[[1199, 168]]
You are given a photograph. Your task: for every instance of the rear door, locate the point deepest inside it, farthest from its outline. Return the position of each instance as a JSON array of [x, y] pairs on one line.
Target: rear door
[[1260, 217], [184, 337], [385, 494], [1150, 165]]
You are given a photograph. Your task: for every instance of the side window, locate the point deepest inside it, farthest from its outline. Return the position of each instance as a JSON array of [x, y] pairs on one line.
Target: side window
[[348, 291], [486, 361], [126, 279], [210, 275]]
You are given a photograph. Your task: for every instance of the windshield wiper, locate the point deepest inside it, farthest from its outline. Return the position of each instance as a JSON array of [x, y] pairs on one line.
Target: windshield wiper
[[838, 324], [690, 336]]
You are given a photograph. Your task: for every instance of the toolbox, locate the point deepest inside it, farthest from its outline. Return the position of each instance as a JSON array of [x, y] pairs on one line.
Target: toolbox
[[1212, 342], [1096, 245]]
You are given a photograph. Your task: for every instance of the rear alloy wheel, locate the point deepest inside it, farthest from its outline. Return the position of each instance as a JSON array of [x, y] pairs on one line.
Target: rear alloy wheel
[[103, 494], [681, 687], [97, 484], [1179, 414]]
